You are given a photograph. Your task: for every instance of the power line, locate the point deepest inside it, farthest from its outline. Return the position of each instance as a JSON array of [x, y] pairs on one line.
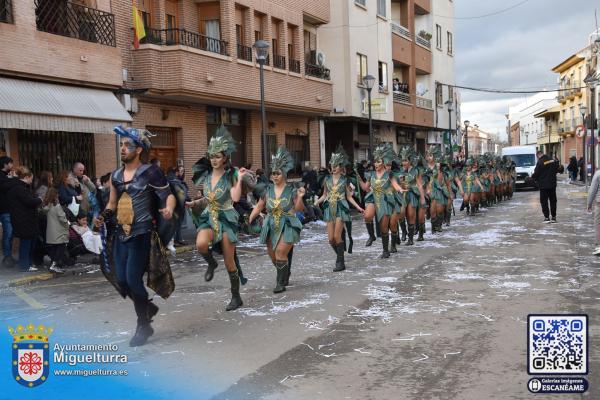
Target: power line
[[327, 26], [488, 14], [508, 91]]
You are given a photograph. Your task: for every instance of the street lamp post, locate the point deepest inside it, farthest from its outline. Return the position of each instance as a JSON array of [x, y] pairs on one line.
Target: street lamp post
[[466, 142], [583, 111], [450, 105], [591, 84], [369, 81], [261, 47]]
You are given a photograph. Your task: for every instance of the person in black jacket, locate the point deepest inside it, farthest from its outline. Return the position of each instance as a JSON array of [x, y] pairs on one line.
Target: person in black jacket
[[23, 205], [6, 181], [545, 176]]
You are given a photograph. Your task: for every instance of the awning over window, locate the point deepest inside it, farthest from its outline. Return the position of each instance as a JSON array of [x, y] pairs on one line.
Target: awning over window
[[46, 106]]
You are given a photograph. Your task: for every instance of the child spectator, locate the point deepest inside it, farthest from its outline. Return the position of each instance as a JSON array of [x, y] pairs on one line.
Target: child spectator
[[57, 230]]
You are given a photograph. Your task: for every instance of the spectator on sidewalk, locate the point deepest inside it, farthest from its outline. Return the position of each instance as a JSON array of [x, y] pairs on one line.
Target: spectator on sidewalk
[[581, 166], [594, 194], [572, 168], [66, 189], [23, 206], [57, 231], [45, 181], [85, 187], [6, 182], [545, 176]]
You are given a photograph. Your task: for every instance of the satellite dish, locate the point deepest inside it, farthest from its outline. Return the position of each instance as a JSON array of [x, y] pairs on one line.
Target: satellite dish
[[421, 90], [320, 59]]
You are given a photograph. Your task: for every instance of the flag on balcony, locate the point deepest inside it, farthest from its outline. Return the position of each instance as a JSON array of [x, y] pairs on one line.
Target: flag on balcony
[[138, 28]]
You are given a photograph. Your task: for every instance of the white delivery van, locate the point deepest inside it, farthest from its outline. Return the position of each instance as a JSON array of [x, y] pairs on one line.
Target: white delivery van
[[525, 160]]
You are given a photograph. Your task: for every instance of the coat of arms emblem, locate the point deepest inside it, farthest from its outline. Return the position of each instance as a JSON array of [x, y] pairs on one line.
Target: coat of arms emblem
[[30, 354]]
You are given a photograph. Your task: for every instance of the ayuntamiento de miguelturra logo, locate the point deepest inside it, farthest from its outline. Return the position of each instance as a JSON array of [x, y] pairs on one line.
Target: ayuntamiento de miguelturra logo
[[30, 354]]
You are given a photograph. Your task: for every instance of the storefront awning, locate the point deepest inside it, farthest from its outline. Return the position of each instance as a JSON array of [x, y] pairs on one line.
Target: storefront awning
[[51, 107]]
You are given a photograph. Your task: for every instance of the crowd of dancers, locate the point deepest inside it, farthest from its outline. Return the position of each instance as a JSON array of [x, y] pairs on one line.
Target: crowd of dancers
[[395, 197]]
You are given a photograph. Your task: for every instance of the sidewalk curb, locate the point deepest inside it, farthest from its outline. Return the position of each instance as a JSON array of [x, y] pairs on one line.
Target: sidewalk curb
[[46, 276]]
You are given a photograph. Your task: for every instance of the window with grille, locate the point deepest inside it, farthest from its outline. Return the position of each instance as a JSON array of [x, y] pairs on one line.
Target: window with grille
[[361, 68], [450, 43], [438, 37], [6, 11], [57, 151], [271, 143]]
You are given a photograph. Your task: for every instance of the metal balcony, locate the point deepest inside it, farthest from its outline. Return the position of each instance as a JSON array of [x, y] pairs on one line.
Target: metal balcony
[[73, 20], [173, 37]]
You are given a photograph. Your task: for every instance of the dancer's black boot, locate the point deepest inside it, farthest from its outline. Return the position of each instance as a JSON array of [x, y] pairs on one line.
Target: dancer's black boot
[[236, 300], [281, 267], [371, 230], [340, 265], [404, 232], [212, 265], [243, 279], [143, 330], [286, 281], [385, 240], [447, 216], [411, 234], [395, 239], [349, 232], [421, 232], [464, 205]]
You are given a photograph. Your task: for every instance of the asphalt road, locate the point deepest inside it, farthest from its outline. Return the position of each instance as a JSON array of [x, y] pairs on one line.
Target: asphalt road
[[445, 319]]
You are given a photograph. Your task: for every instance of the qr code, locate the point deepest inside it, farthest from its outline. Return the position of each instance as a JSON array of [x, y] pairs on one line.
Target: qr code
[[557, 344]]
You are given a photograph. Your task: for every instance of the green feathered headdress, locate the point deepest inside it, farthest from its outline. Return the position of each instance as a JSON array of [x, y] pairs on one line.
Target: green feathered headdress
[[282, 161], [405, 153], [435, 151], [385, 153], [222, 141], [339, 157]]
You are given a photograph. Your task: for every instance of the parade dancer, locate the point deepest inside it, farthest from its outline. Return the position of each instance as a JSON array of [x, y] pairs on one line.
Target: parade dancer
[[337, 194], [449, 174], [218, 223], [469, 185], [414, 194], [398, 218], [420, 179], [139, 196], [380, 201], [437, 190], [281, 227]]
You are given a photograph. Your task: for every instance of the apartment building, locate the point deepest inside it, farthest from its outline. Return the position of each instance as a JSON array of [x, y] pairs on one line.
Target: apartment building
[[390, 40], [447, 105], [59, 69], [481, 142], [194, 70], [572, 71], [530, 126], [197, 69]]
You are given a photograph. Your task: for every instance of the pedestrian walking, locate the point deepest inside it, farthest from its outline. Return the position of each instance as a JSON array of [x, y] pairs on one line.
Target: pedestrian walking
[[581, 166], [572, 168], [545, 176], [23, 206], [57, 230], [139, 195], [593, 204], [6, 182]]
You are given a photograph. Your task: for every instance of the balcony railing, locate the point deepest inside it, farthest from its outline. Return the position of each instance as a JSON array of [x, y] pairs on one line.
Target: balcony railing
[[424, 103], [400, 30], [173, 37], [279, 61], [317, 71], [294, 66], [423, 42], [6, 11], [244, 52], [400, 97], [72, 20]]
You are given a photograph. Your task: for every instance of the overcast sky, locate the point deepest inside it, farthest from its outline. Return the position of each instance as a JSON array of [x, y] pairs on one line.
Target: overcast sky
[[515, 49]]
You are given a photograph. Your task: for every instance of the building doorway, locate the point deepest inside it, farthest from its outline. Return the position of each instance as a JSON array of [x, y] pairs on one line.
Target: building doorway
[[164, 146]]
